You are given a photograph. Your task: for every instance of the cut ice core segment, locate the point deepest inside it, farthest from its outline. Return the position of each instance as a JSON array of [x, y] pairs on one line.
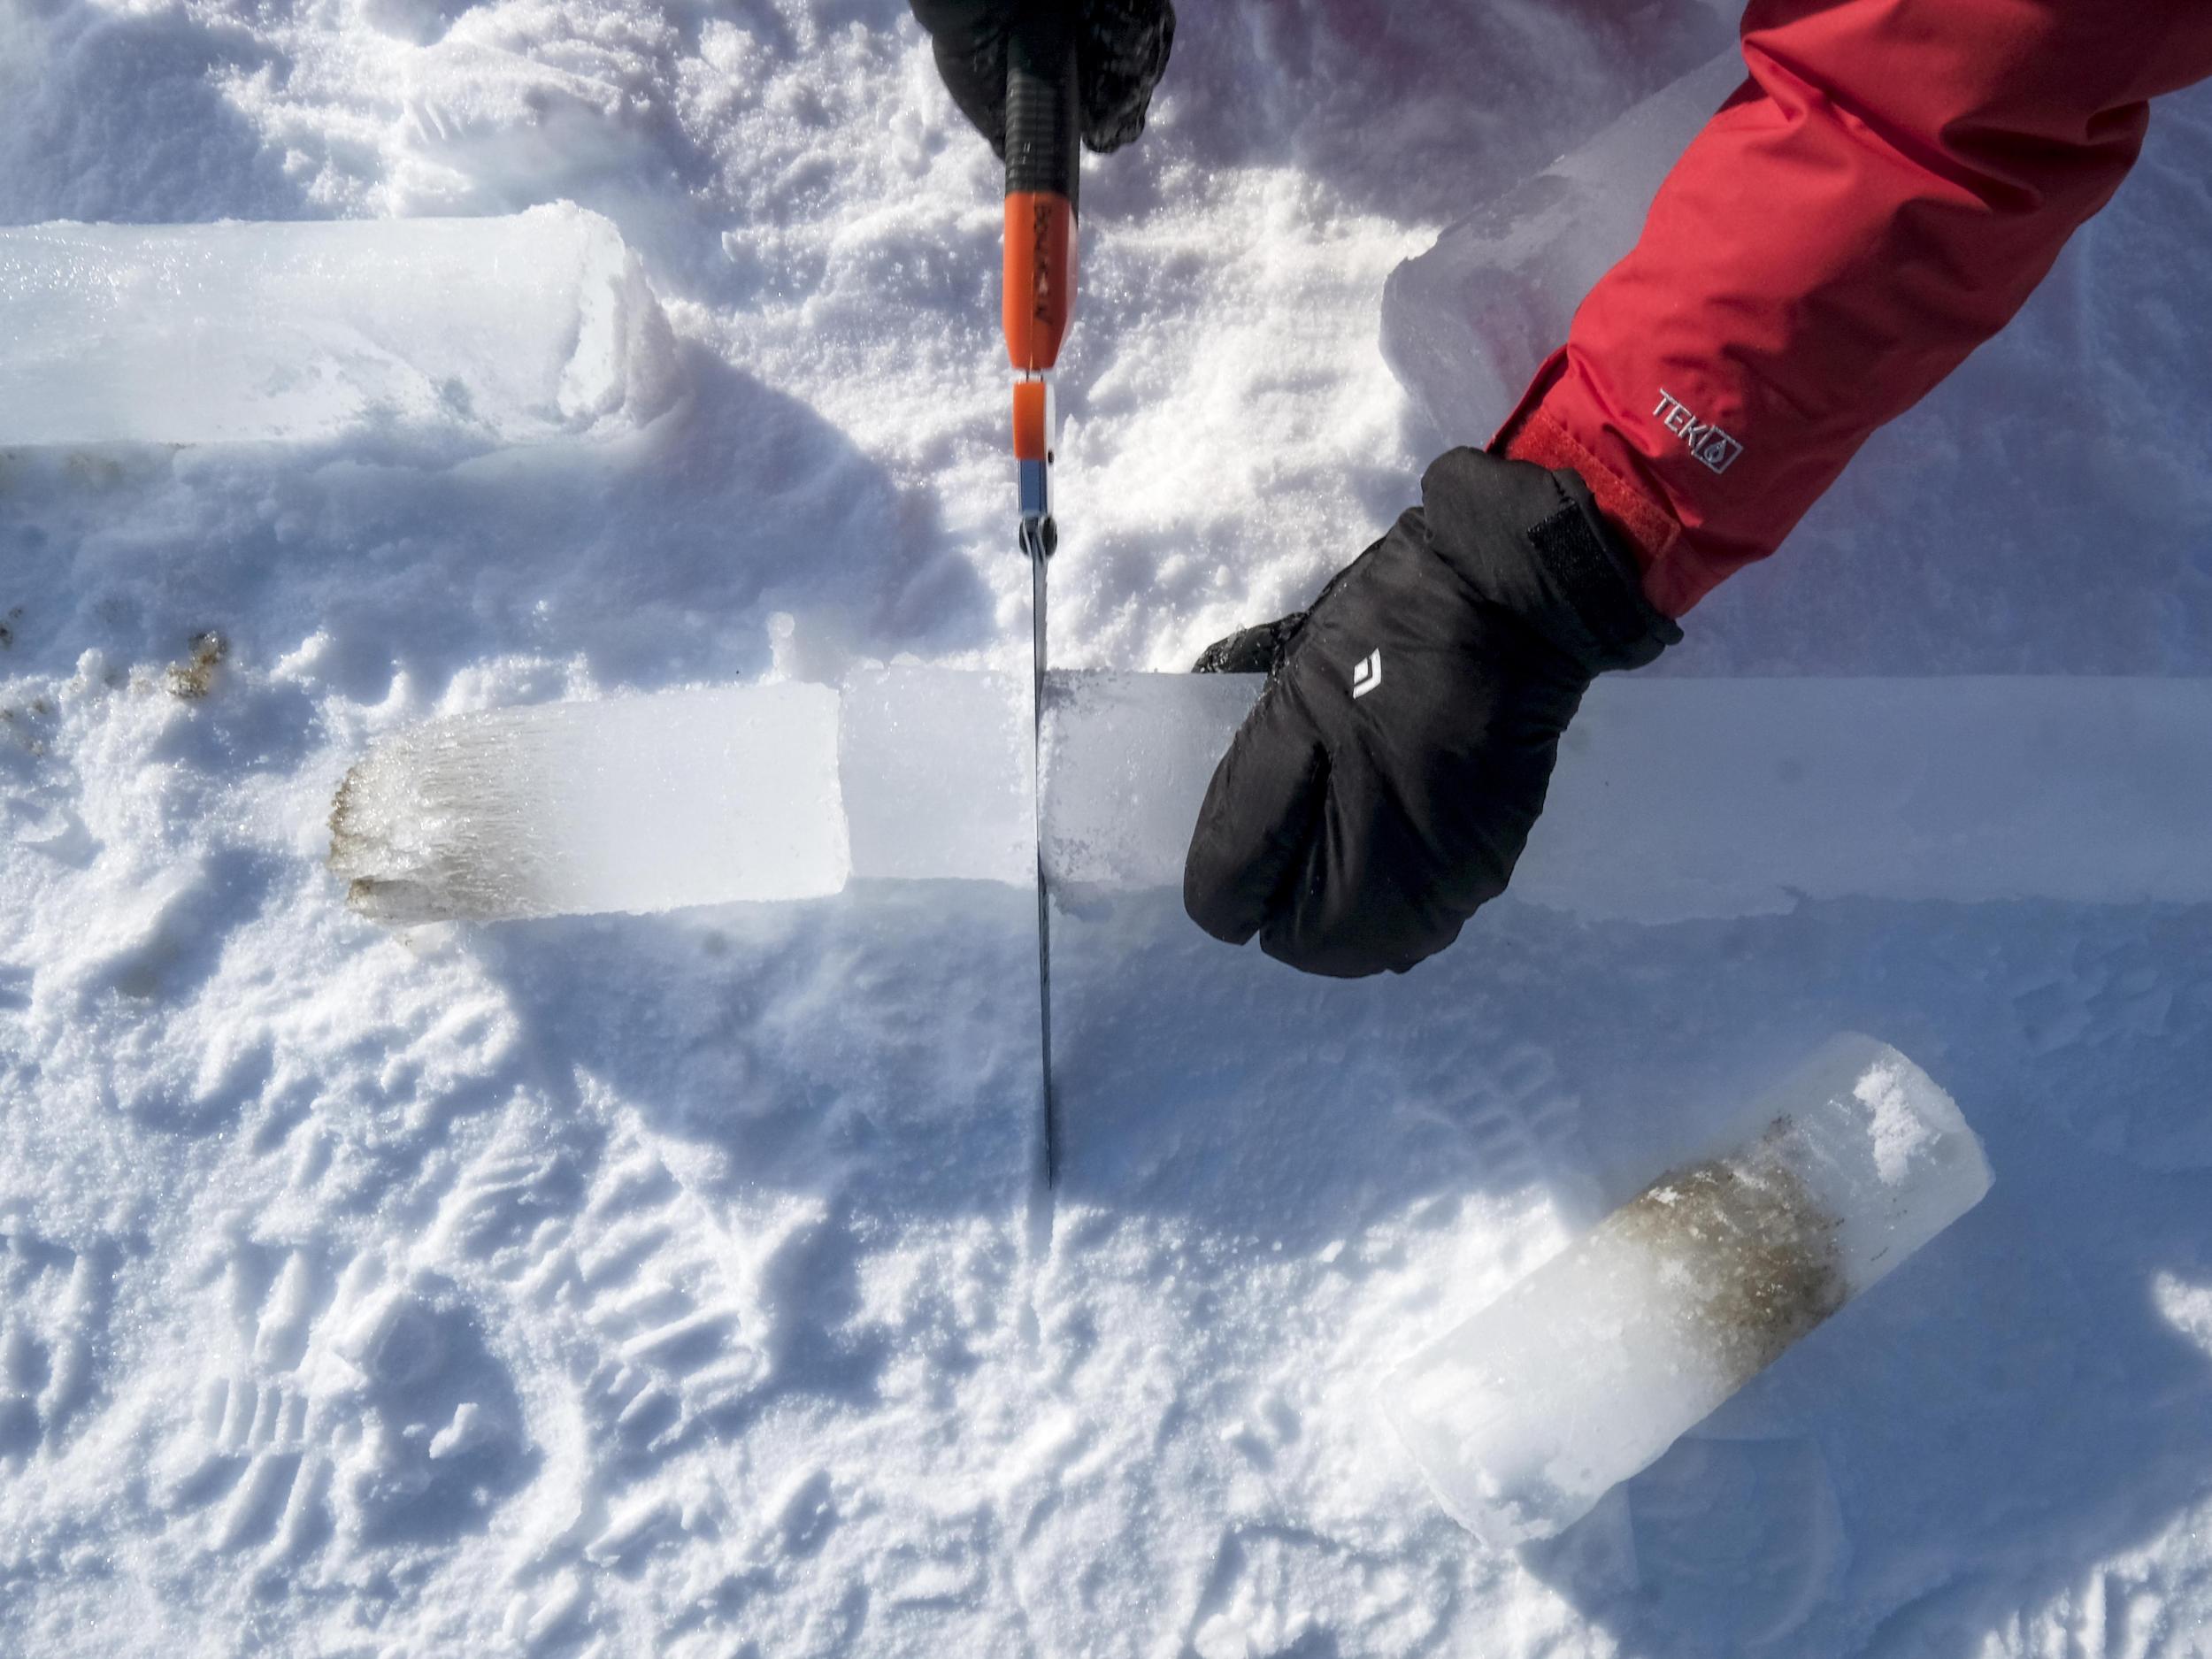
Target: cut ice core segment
[[507, 330], [1585, 1371], [1673, 799], [635, 803]]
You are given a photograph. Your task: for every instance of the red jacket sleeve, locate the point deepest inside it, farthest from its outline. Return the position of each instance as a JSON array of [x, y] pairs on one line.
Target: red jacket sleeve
[[1877, 199]]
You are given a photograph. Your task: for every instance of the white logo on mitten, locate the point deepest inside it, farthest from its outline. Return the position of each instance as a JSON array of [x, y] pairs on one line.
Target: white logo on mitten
[[1368, 675]]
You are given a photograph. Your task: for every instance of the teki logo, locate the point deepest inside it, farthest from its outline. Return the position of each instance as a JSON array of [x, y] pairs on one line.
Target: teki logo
[[1706, 440]]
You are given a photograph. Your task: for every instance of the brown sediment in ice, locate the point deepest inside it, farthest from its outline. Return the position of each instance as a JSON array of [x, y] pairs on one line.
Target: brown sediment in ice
[[1752, 1253], [427, 828]]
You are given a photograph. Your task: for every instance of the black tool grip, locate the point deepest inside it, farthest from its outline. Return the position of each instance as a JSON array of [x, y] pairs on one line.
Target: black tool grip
[[1044, 115]]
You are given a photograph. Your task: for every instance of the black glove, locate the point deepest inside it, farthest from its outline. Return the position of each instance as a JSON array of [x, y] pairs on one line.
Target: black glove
[[1384, 785], [1121, 52]]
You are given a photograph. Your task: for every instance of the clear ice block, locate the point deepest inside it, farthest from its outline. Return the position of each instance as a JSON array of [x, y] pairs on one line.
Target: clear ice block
[[633, 804], [935, 769], [506, 330], [1586, 1370], [1740, 796], [1466, 323], [1127, 758]]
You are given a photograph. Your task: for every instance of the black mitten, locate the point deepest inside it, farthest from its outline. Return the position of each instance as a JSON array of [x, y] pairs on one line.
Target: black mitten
[[1121, 52], [1384, 785]]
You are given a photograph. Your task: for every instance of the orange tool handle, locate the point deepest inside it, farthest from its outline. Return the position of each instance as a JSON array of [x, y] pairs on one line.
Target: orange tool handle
[[1042, 156], [1040, 293], [1032, 420]]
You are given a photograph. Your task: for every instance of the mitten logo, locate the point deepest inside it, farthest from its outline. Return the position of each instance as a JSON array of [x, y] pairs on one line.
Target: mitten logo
[[1707, 440], [1367, 675]]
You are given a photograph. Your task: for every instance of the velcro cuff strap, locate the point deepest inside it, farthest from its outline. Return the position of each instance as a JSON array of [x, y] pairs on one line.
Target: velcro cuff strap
[[1529, 538], [1589, 574]]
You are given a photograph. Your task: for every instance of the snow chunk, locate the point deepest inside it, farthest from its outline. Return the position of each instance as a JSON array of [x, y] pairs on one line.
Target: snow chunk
[[1899, 1133]]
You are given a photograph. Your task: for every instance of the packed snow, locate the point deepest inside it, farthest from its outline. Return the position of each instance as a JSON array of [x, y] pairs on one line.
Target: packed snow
[[668, 1284]]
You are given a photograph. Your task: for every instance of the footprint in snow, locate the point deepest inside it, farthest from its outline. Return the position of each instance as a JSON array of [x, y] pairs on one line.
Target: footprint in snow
[[654, 1288], [2123, 997], [1282, 1589], [1736, 1542], [529, 124], [54, 1302], [364, 1407]]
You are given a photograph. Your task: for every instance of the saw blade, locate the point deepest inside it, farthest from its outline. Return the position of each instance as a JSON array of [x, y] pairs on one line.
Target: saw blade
[[1036, 537]]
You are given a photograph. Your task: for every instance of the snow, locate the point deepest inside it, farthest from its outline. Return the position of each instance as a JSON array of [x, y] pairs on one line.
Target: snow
[[1900, 1135], [667, 1284]]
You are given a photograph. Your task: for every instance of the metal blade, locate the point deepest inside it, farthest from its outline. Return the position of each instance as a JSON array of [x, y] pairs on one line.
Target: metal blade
[[1036, 538]]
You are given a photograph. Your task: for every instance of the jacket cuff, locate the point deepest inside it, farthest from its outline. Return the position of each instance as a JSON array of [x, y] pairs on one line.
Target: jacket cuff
[[1673, 580], [1530, 539]]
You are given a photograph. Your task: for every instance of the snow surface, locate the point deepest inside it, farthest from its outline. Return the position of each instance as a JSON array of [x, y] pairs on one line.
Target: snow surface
[[665, 1286]]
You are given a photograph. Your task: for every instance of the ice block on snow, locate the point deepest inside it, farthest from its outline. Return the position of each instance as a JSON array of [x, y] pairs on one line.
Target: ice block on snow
[[935, 771], [1127, 758], [1587, 1370], [1674, 798], [506, 329], [1465, 325], [636, 804]]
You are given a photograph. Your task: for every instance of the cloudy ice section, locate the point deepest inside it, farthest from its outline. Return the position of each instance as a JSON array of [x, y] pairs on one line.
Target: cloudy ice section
[[630, 804], [502, 330], [1585, 1372]]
